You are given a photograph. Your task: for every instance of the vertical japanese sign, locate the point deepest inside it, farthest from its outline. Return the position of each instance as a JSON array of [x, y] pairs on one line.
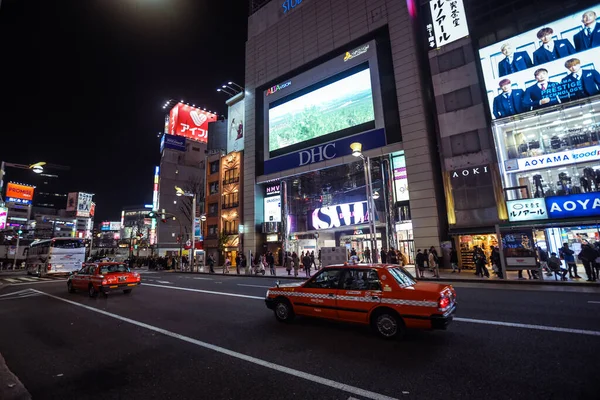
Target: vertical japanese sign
[[154, 204], [449, 22], [3, 215], [84, 205]]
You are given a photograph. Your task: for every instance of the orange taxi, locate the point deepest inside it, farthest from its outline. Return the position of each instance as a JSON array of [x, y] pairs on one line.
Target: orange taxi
[[387, 297], [103, 277]]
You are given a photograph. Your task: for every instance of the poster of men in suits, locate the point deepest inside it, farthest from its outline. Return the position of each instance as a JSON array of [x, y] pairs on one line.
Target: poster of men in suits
[[557, 62]]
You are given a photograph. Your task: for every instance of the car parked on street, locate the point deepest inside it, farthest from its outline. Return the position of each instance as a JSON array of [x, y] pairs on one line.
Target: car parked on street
[[103, 277], [387, 297]]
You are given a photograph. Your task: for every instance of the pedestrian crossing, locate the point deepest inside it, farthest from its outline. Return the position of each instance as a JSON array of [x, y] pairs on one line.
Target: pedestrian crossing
[[11, 280]]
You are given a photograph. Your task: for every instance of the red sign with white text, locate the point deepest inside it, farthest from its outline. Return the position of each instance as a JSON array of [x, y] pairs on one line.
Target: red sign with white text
[[190, 122]]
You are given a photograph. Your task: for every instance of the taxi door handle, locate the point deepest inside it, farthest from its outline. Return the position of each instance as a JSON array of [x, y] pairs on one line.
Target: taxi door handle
[[374, 298], [331, 294]]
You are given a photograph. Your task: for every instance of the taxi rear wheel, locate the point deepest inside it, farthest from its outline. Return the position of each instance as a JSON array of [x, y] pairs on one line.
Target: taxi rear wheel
[[388, 325], [283, 311], [92, 291]]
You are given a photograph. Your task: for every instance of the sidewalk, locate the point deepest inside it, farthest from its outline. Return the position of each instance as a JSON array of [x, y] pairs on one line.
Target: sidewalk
[[11, 387], [279, 271]]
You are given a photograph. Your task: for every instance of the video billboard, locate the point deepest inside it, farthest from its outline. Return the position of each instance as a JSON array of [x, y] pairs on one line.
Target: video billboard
[[3, 217], [72, 201], [190, 122], [342, 104], [338, 215], [18, 193], [552, 64], [235, 134]]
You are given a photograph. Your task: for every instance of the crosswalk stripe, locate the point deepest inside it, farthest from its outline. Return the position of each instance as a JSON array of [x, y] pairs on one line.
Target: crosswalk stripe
[[27, 279], [11, 280]]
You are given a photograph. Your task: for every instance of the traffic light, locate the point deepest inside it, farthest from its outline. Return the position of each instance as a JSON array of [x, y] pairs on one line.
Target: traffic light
[[20, 232], [152, 214]]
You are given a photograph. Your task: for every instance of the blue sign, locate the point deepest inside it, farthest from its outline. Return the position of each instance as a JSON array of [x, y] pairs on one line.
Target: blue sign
[[18, 201], [574, 205], [288, 5], [327, 151], [172, 142]]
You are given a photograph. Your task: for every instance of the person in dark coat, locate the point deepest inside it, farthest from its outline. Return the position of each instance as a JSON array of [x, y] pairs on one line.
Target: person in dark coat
[[509, 102], [588, 256], [383, 256]]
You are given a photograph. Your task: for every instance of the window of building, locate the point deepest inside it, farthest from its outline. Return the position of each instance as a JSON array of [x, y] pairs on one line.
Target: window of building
[[214, 167], [230, 200], [214, 187], [195, 148], [213, 209], [230, 227], [213, 230], [231, 176], [458, 99]]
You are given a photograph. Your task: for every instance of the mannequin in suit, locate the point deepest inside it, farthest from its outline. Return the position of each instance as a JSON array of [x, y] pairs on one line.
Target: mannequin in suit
[[589, 36], [513, 61], [551, 49]]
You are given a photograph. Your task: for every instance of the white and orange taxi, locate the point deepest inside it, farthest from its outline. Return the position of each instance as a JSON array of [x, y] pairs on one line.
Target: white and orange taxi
[[387, 297]]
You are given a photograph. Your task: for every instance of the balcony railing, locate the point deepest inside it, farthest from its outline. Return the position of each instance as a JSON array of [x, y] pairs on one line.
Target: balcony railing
[[225, 206], [229, 181]]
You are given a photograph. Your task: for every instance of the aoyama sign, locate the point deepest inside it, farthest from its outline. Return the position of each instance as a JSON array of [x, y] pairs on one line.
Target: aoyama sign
[[553, 160], [339, 215], [575, 205]]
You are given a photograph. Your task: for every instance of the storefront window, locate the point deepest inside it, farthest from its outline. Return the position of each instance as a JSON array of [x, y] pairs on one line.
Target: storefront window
[[467, 244]]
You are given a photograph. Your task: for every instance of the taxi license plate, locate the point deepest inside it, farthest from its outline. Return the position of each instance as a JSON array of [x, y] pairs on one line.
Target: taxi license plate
[[122, 278]]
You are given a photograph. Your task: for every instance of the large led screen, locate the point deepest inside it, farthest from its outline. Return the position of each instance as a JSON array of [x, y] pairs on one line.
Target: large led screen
[[552, 64], [343, 104]]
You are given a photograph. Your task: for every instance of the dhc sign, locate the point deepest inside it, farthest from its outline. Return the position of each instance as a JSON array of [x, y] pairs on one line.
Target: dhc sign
[[324, 152], [572, 206], [289, 5]]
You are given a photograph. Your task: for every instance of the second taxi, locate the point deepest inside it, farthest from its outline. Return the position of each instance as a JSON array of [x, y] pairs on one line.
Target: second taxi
[[385, 296], [103, 277]]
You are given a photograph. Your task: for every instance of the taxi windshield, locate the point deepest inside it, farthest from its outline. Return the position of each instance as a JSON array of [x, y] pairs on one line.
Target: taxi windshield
[[402, 276], [105, 269]]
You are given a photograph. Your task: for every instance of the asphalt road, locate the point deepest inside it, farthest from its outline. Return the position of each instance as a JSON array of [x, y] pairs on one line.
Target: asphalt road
[[211, 337]]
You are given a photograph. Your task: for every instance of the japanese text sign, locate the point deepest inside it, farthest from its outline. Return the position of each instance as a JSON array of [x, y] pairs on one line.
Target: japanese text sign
[[190, 122], [449, 22], [526, 210]]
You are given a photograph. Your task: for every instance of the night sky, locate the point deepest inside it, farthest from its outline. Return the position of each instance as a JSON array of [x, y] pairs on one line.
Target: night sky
[[82, 85]]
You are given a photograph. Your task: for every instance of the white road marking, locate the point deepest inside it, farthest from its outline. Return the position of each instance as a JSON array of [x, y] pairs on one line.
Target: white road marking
[[206, 291], [19, 294], [23, 278], [205, 279], [37, 283], [529, 326], [11, 280], [257, 361], [165, 282], [241, 284], [15, 293], [594, 302]]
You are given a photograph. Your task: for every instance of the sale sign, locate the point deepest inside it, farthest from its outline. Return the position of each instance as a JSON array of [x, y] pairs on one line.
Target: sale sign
[[190, 122]]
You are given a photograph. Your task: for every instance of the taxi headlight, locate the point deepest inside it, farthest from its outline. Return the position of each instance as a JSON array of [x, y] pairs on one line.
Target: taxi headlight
[[268, 293]]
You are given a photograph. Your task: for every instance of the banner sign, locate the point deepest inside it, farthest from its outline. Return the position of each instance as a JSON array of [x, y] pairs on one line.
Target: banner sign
[[3, 216], [526, 210], [553, 160], [172, 142], [573, 206], [18, 191], [338, 215], [84, 204], [448, 22], [327, 151]]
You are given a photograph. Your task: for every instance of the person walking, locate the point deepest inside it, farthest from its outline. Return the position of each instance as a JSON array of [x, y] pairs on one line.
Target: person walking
[[307, 263], [295, 263], [383, 256], [480, 262], [433, 266], [391, 256], [312, 259], [238, 261], [495, 259], [243, 264], [287, 260], [420, 261], [211, 264], [367, 254], [587, 256], [569, 256], [226, 265], [454, 260], [271, 262]]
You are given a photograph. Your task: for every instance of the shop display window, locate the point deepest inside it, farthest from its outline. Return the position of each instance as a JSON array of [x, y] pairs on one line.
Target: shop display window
[[466, 246]]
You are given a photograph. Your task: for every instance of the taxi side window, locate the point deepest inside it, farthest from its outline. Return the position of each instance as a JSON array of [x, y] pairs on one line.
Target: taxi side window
[[361, 279], [91, 270], [328, 279]]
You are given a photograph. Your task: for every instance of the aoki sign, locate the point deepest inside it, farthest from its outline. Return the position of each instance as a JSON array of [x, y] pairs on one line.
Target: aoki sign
[[575, 205], [553, 160], [470, 171], [340, 215]]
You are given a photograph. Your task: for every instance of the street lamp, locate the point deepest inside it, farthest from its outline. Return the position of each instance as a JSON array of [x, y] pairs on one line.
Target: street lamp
[[180, 192], [371, 195]]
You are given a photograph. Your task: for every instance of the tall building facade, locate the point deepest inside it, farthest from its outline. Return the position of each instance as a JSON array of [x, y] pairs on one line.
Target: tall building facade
[[321, 76]]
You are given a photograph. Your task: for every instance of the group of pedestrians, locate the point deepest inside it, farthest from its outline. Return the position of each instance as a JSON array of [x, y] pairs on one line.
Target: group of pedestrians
[[427, 260], [306, 261]]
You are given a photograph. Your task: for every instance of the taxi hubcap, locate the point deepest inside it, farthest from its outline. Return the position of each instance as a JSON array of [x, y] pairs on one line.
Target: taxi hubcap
[[282, 311], [387, 325]]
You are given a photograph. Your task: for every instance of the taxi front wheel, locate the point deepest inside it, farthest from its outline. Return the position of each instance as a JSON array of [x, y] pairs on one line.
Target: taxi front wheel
[[388, 325], [283, 311]]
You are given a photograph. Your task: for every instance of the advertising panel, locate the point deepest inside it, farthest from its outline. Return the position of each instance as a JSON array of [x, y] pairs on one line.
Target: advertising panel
[[448, 22], [190, 122], [235, 135], [155, 189], [273, 190], [84, 204], [172, 142], [338, 215], [21, 192], [526, 210], [115, 225], [573, 206], [553, 160], [3, 216], [72, 201], [273, 209], [400, 179], [337, 106], [552, 64]]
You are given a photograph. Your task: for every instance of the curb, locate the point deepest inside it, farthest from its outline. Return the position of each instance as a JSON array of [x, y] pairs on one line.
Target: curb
[[234, 275], [11, 387]]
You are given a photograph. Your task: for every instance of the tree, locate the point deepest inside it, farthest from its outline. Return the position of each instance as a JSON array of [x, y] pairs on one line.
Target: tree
[[193, 185]]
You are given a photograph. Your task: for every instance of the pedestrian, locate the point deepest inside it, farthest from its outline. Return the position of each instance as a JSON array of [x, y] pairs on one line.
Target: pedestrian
[[295, 263], [569, 256], [271, 261], [367, 254], [543, 258], [555, 265], [288, 262], [480, 262], [226, 265], [307, 262], [383, 256], [495, 259], [211, 264], [587, 256], [433, 267], [319, 258], [391, 256], [420, 261], [454, 260], [312, 259]]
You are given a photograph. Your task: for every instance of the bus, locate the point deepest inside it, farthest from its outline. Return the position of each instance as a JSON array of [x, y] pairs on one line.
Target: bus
[[55, 256]]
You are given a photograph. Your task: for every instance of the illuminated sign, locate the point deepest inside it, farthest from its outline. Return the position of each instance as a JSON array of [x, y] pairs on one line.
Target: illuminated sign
[[84, 205], [272, 209], [469, 171], [274, 237], [526, 210], [289, 5], [575, 205], [554, 63], [552, 160], [235, 136], [19, 191], [400, 178], [3, 215], [272, 190], [339, 215], [448, 22], [155, 188], [190, 122], [18, 201], [172, 142], [72, 201], [277, 88], [356, 52], [110, 226]]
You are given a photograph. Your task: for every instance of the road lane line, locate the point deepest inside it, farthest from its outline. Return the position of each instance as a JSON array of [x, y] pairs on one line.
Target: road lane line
[[15, 293], [594, 302], [37, 283], [276, 367], [23, 278], [165, 282], [529, 326], [266, 287], [204, 279], [205, 291], [458, 319]]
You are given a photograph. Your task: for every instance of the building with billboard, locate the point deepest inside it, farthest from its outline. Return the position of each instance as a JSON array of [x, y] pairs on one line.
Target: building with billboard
[[353, 78]]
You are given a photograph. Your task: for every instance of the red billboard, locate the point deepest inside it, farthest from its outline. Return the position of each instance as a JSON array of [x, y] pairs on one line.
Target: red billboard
[[18, 191], [190, 122]]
